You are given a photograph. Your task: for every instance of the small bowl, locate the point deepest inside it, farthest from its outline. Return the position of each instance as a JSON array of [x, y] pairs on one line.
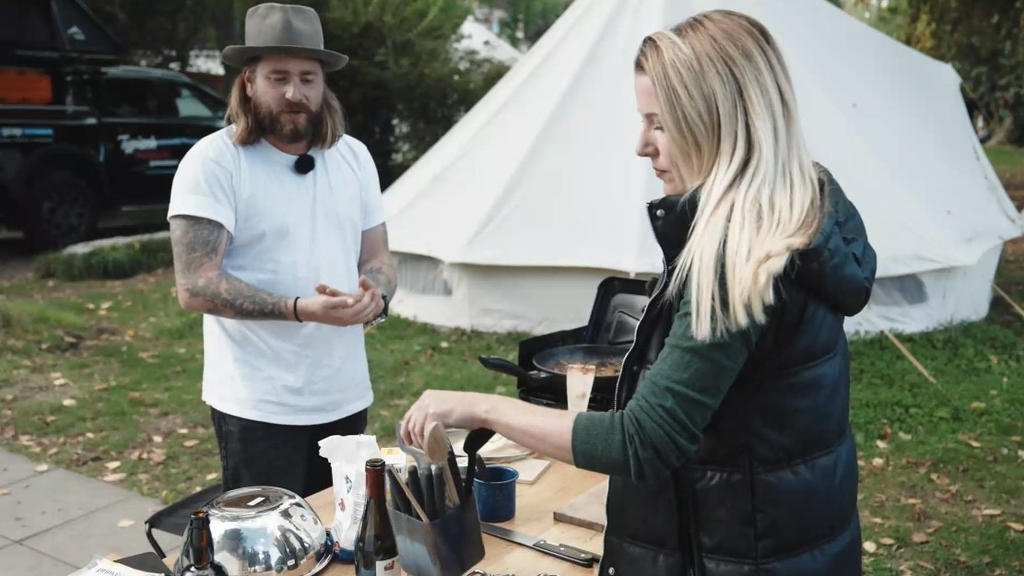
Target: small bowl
[[264, 530]]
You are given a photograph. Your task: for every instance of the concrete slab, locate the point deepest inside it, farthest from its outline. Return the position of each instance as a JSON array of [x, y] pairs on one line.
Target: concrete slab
[[21, 561], [4, 542], [14, 467], [77, 541], [51, 499]]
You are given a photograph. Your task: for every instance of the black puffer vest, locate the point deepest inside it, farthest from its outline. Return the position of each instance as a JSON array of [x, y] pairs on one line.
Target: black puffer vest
[[773, 489]]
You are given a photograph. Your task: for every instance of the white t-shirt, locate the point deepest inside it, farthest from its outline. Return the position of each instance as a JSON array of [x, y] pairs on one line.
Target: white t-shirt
[[289, 232]]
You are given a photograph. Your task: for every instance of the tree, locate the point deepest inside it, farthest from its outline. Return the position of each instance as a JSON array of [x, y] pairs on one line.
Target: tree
[[160, 33], [982, 39]]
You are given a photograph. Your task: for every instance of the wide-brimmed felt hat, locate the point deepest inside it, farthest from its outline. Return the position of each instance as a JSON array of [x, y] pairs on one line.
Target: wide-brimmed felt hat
[[286, 30]]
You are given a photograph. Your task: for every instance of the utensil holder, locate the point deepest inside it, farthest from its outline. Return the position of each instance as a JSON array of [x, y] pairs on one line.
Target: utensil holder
[[447, 546]]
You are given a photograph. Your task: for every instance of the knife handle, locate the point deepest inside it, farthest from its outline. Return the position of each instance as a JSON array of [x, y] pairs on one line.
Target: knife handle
[[566, 552]]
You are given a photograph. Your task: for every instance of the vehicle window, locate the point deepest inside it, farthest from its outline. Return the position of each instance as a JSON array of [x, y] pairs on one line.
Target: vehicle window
[[140, 97], [193, 102]]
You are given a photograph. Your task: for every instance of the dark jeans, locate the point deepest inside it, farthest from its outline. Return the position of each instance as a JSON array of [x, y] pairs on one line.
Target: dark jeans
[[260, 454]]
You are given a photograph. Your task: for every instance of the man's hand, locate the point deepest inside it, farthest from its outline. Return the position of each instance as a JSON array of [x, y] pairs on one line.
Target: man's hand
[[332, 306]]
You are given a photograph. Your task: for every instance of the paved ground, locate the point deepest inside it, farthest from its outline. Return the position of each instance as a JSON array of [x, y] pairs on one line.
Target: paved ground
[[52, 523]]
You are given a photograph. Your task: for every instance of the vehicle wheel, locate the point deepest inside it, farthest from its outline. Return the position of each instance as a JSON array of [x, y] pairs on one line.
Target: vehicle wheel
[[61, 211]]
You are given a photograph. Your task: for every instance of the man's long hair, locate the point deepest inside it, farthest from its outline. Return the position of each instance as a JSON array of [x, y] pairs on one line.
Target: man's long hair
[[328, 125]]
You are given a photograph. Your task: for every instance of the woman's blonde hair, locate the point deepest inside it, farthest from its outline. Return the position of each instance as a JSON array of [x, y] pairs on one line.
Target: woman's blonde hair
[[729, 110], [242, 113]]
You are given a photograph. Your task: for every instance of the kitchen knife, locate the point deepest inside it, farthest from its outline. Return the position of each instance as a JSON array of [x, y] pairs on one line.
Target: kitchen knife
[[437, 477], [453, 465], [415, 486], [563, 551], [399, 500], [427, 482]]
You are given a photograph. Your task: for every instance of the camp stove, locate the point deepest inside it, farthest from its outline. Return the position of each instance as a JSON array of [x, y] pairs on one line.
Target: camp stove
[[617, 309]]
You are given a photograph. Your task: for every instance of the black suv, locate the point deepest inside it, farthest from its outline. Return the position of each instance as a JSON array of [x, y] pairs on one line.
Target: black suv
[[85, 141]]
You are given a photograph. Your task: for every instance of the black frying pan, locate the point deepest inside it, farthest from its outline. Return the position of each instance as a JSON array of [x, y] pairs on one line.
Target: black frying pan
[[556, 360]]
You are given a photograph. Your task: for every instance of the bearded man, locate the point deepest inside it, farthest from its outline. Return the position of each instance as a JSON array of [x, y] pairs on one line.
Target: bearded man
[[277, 228]]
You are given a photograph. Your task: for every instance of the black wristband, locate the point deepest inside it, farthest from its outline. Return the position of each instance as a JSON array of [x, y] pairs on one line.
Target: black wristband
[[295, 308]]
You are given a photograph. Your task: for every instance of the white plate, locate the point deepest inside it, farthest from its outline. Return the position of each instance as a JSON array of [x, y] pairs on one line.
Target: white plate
[[498, 449]]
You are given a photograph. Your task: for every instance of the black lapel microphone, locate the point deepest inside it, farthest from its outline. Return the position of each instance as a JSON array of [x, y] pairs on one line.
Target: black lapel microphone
[[305, 163]]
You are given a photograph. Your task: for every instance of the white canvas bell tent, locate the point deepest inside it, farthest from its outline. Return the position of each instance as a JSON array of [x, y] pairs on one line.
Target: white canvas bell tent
[[513, 218]]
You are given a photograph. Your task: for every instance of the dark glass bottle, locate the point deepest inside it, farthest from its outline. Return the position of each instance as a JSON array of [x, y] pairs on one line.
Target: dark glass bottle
[[376, 550], [197, 553]]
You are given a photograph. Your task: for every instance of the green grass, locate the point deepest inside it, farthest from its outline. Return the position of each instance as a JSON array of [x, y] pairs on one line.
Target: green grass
[[133, 362]]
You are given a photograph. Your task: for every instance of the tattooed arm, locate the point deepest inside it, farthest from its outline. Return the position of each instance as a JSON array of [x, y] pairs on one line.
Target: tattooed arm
[[198, 245], [375, 260]]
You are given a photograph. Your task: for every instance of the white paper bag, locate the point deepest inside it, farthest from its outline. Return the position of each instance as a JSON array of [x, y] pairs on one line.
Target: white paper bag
[[348, 456]]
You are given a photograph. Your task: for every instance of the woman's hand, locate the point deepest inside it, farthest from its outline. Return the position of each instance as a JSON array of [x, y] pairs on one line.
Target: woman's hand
[[464, 410]]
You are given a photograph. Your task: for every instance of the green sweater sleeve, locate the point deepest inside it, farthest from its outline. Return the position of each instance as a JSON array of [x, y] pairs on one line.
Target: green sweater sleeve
[[660, 428]]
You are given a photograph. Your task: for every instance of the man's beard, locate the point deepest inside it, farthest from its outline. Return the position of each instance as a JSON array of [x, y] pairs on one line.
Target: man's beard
[[287, 129]]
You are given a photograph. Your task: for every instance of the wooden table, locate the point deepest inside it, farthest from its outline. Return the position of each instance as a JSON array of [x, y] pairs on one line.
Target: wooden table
[[535, 505]]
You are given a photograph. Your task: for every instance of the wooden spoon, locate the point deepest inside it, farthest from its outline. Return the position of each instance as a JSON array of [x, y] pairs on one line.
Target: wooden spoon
[[436, 448]]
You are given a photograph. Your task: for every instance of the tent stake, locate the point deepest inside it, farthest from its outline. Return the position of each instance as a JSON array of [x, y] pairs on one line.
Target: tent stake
[[909, 356], [1008, 300]]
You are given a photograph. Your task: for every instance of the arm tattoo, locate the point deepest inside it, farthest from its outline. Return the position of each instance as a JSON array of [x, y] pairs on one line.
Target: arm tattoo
[[381, 270], [198, 245], [383, 276]]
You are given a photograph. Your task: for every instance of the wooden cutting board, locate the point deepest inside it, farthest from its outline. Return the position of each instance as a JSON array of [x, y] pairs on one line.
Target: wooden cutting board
[[586, 510]]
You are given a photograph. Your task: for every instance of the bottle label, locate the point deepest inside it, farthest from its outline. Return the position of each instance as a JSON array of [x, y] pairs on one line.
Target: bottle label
[[389, 567]]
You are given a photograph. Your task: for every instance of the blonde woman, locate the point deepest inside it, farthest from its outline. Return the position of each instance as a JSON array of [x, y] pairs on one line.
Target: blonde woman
[[730, 449]]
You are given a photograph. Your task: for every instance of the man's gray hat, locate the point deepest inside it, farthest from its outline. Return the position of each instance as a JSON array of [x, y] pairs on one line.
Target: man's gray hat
[[286, 30]]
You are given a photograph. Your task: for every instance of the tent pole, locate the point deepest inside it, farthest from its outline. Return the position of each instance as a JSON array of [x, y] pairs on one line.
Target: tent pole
[[1009, 300], [909, 356]]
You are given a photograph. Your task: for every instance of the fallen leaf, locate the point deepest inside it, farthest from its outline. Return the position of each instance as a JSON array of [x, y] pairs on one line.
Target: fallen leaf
[[444, 344], [52, 451], [882, 444], [991, 512], [877, 521], [912, 501], [157, 457], [126, 523], [134, 395], [905, 436], [56, 375], [1015, 438], [142, 476], [212, 476], [158, 439], [134, 454], [9, 398], [69, 402], [938, 478], [870, 547], [60, 381], [977, 405], [926, 565], [182, 430], [973, 443], [106, 305], [919, 538], [189, 443], [42, 468], [99, 388], [90, 306], [878, 462], [933, 526], [5, 492], [887, 541], [113, 465], [115, 477], [49, 419], [90, 435], [1016, 526], [69, 339]]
